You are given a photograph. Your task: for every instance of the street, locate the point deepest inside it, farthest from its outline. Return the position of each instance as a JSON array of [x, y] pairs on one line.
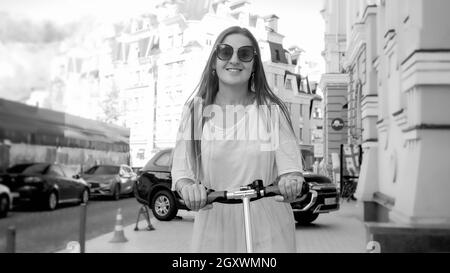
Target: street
[[336, 232], [48, 231]]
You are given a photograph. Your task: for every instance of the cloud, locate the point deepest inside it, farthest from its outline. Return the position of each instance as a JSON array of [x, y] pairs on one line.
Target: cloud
[[23, 30], [24, 67]]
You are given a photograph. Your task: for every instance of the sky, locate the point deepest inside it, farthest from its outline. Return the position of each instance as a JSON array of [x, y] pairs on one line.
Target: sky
[[300, 20]]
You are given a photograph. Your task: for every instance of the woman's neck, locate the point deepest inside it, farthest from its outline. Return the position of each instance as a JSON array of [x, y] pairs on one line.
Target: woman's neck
[[232, 95]]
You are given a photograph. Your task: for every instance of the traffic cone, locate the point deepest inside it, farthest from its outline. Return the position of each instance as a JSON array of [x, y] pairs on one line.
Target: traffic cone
[[119, 236]]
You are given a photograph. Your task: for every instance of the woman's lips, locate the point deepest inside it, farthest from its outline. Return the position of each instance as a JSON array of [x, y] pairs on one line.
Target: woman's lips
[[233, 70]]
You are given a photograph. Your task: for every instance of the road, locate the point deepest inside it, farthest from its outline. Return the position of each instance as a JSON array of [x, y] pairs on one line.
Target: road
[[340, 231], [48, 231]]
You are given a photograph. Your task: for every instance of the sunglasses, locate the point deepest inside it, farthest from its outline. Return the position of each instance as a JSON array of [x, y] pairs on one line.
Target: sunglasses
[[245, 53]]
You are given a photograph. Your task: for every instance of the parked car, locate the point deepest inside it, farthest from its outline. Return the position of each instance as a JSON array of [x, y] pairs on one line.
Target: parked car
[[153, 188], [45, 184], [323, 197], [6, 200], [110, 180]]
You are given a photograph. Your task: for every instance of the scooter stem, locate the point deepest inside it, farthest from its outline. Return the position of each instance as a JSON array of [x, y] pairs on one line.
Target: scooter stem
[[247, 223]]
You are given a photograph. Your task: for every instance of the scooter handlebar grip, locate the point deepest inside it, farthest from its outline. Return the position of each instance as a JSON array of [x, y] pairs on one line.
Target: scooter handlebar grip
[[273, 190], [216, 196]]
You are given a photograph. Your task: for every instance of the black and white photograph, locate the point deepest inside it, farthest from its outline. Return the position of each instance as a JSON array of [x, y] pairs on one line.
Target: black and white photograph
[[224, 126]]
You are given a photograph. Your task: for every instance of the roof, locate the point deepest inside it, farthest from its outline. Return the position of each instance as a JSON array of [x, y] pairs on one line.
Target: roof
[[21, 123], [271, 16]]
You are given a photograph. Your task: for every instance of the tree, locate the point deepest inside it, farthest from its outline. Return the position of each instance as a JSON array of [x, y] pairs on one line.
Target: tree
[[111, 106]]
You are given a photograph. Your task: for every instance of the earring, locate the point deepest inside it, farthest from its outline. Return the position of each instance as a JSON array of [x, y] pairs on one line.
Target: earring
[[252, 82], [213, 72]]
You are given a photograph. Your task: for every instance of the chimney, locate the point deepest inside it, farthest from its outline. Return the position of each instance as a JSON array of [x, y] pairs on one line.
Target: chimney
[[272, 22]]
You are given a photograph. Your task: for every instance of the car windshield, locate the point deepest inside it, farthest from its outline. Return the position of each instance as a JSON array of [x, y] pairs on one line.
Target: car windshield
[[39, 168], [100, 170]]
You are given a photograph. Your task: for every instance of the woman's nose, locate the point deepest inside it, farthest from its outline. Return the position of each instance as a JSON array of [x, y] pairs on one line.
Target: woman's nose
[[234, 58]]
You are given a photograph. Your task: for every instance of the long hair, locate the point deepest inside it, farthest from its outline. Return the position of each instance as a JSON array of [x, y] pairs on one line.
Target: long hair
[[207, 90]]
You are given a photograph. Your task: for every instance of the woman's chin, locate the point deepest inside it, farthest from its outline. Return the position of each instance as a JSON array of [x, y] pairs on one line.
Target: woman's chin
[[235, 82]]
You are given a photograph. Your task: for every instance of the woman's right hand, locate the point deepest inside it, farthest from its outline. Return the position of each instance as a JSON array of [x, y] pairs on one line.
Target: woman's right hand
[[194, 195]]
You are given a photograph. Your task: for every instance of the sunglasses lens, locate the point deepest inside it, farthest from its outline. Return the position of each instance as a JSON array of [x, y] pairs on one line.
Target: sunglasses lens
[[224, 52], [246, 53]]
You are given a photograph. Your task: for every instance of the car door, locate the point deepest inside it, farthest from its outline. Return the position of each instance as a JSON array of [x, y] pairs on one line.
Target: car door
[[57, 177], [74, 188]]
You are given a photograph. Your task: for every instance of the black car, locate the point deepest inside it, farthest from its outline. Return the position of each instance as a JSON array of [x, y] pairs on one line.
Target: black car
[[153, 188], [45, 184]]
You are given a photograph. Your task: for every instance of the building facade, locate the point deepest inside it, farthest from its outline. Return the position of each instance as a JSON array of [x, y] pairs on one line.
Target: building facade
[[398, 61], [334, 84], [147, 67]]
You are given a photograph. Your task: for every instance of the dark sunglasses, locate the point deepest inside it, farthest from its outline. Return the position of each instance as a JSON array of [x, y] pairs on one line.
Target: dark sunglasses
[[245, 53]]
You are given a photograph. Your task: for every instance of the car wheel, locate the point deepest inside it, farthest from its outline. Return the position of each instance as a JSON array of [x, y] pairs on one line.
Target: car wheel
[[116, 193], [4, 206], [52, 201], [84, 196], [163, 205], [305, 218]]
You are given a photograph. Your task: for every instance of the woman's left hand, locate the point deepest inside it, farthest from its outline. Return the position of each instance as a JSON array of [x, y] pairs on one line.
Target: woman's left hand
[[290, 186]]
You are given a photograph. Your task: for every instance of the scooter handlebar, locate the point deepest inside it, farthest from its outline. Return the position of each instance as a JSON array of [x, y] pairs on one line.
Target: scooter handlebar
[[255, 194]]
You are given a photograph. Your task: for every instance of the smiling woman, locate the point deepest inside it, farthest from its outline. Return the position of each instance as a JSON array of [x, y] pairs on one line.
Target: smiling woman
[[234, 80]]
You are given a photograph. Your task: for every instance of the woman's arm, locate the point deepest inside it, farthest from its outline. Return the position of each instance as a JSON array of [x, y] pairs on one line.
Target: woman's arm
[[288, 161]]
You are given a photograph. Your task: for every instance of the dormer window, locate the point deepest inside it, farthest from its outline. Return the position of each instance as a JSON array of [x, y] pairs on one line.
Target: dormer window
[[277, 55], [289, 84]]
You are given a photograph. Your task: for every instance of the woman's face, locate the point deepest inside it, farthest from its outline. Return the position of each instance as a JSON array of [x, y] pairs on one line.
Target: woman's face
[[234, 72]]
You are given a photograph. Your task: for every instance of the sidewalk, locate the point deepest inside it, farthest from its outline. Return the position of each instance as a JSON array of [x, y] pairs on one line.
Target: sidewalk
[[336, 232]]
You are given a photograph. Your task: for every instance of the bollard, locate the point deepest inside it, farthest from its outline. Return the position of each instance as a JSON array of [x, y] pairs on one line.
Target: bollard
[[11, 240], [82, 237]]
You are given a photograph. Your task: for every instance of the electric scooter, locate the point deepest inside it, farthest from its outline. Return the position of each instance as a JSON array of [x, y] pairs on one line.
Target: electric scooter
[[245, 195]]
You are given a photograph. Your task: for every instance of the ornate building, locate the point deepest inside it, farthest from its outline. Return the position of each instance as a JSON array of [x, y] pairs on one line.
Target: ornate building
[[398, 62]]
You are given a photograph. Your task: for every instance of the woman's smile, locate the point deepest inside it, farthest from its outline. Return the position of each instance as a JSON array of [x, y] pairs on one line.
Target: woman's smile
[[233, 70]]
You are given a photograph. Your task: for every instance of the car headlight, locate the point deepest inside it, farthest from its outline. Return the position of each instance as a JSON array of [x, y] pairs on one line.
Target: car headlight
[[105, 184], [32, 179]]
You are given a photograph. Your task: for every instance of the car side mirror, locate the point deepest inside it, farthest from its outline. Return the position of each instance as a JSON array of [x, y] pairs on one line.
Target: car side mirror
[[124, 174]]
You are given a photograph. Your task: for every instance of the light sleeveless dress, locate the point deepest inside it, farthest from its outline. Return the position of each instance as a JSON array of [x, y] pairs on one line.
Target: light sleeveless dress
[[235, 156]]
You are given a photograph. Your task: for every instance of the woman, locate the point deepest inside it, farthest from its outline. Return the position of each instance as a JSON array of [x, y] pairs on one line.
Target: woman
[[234, 131]]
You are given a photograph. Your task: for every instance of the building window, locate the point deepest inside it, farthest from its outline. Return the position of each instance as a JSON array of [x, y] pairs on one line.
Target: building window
[[289, 84], [362, 66], [275, 80], [140, 154], [288, 107], [277, 55], [300, 134], [179, 40], [301, 110], [170, 41], [316, 113]]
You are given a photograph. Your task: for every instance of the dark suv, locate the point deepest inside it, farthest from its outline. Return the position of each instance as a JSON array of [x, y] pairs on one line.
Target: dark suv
[[153, 188]]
